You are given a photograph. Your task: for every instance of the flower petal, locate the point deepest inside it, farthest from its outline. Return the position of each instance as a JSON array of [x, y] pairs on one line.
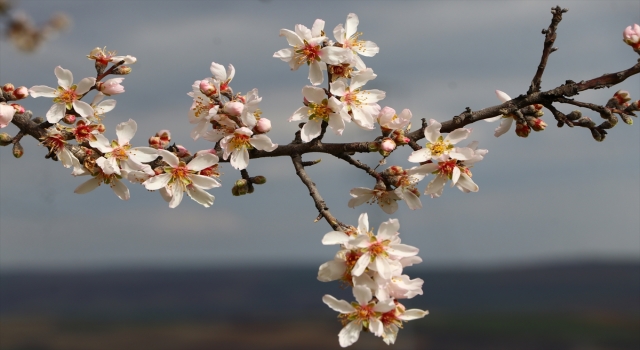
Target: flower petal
[[349, 334], [88, 186], [125, 131], [42, 91], [204, 182], [157, 182], [169, 158], [200, 196], [85, 84], [342, 306], [56, 113], [65, 77], [202, 161], [84, 109]]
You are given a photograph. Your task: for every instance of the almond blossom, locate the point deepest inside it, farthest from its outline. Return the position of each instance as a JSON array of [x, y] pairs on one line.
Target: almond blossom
[[631, 36], [507, 120], [66, 96], [111, 86], [439, 146], [389, 120], [56, 143], [386, 199], [238, 144], [319, 109], [348, 36], [113, 180], [179, 177], [361, 103], [364, 313], [393, 319], [307, 46], [6, 114]]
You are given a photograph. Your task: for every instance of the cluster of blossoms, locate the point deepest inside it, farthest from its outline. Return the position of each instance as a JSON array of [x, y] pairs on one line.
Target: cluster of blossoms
[[372, 265], [237, 126], [345, 101], [111, 161], [527, 119]]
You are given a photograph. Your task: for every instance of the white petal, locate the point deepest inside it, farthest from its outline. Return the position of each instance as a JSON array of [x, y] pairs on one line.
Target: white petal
[[413, 314], [351, 24], [310, 130], [143, 154], [102, 143], [375, 326], [466, 183], [178, 192], [240, 158], [169, 158], [402, 250], [316, 77], [56, 112], [284, 54], [84, 85], [342, 306], [432, 132], [200, 196], [335, 237], [412, 200], [125, 131], [313, 94], [336, 123], [300, 114], [42, 91], [84, 109], [202, 162], [455, 175], [384, 306], [363, 223], [457, 135], [88, 186], [204, 182], [390, 207], [362, 294], [436, 184], [419, 156], [503, 97], [65, 77], [292, 38], [492, 119], [349, 334], [331, 270], [504, 126], [157, 182], [383, 267], [218, 71], [263, 143], [361, 264], [120, 189]]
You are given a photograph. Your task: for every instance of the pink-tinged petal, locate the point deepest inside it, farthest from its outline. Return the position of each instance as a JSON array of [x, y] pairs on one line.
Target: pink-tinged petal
[[383, 267], [218, 71], [300, 114], [351, 25], [303, 32], [361, 264], [200, 196], [419, 156], [402, 250], [284, 54], [125, 131], [335, 237], [390, 207], [42, 91], [310, 130], [331, 270], [388, 229], [84, 109], [457, 135], [143, 154], [468, 184], [120, 189], [342, 306], [169, 158], [413, 314], [436, 184], [88, 186], [204, 182], [334, 55], [56, 112], [502, 96], [432, 132], [85, 84], [384, 306], [178, 193], [316, 77], [313, 94], [317, 28], [292, 38], [65, 77], [349, 334], [203, 161], [157, 182], [455, 175], [263, 143], [504, 126], [6, 115], [240, 158], [362, 294]]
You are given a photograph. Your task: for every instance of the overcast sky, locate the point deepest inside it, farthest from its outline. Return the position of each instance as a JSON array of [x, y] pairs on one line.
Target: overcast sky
[[556, 195]]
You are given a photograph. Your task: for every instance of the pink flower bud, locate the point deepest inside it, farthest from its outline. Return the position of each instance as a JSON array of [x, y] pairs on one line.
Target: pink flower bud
[[182, 151], [522, 130], [622, 97], [8, 88], [101, 128], [20, 93], [387, 146], [263, 126], [631, 36], [207, 88], [233, 108], [154, 142], [164, 134], [111, 87], [538, 124], [6, 114], [69, 118], [19, 109]]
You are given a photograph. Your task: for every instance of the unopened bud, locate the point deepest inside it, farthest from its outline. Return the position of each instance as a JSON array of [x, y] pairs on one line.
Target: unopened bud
[[234, 191], [69, 118], [8, 88], [626, 118], [259, 180], [5, 139], [242, 186], [619, 99], [18, 151], [263, 126], [122, 70], [38, 120], [387, 146], [522, 130], [538, 124], [233, 108], [399, 138], [154, 142], [101, 128], [207, 151], [21, 93], [575, 115], [182, 151], [394, 170], [597, 135], [18, 108], [207, 88]]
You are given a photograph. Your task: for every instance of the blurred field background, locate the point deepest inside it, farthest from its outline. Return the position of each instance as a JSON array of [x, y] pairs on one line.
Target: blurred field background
[[581, 306]]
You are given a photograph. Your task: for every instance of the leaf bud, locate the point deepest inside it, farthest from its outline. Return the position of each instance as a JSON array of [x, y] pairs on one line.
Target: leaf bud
[[259, 180], [597, 135], [5, 139], [18, 151], [626, 118]]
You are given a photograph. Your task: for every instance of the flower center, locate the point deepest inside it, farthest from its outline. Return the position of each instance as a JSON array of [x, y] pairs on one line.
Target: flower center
[[240, 141], [319, 111], [309, 52], [180, 174], [67, 96], [439, 147], [446, 168]]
